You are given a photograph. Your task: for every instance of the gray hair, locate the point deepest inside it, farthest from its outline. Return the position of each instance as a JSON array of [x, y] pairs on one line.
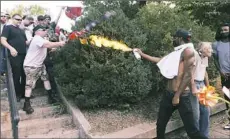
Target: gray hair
[[202, 45]]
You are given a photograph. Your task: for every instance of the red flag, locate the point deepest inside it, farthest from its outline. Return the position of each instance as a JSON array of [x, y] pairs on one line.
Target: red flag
[[73, 12]]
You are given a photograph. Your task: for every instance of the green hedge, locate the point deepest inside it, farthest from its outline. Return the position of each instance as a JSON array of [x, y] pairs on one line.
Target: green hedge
[[102, 77]]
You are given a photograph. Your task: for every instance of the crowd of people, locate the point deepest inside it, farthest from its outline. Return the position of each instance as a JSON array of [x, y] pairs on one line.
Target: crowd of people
[[30, 44]]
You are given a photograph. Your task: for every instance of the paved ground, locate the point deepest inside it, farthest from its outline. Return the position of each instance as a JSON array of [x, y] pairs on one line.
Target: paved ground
[[216, 129]]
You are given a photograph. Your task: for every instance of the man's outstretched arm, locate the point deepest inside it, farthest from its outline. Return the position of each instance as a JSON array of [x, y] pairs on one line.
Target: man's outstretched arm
[[148, 57], [188, 60]]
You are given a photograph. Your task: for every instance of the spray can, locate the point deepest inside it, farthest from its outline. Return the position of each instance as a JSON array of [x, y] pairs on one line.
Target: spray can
[[136, 54]]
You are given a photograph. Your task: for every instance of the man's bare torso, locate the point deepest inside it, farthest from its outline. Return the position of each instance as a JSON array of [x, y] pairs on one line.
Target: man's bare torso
[[173, 84]]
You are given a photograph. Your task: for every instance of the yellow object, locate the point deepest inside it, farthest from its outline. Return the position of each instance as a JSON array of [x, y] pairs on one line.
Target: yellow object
[[83, 41], [208, 97], [101, 41]]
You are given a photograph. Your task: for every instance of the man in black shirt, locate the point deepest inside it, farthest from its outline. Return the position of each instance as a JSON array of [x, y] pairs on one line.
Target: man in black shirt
[[14, 39]]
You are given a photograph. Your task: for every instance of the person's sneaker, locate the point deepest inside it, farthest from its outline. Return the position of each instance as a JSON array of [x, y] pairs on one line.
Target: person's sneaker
[[52, 97], [27, 107], [52, 100], [227, 127], [18, 99]]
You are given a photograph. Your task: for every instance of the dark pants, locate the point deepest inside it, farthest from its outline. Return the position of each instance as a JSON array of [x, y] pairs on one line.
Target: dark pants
[[186, 114], [49, 68], [19, 76], [3, 60], [226, 83]]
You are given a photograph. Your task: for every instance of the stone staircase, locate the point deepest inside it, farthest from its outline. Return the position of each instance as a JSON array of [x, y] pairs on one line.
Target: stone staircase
[[47, 121]]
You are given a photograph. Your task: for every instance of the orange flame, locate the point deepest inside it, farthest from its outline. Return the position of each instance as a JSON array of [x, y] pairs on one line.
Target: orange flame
[[101, 41], [208, 97]]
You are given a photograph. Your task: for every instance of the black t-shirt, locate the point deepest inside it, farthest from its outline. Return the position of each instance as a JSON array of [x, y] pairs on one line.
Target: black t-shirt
[[15, 37]]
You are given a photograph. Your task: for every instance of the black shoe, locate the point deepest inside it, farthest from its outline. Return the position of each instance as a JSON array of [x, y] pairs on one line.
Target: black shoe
[[18, 99], [27, 108], [52, 98], [32, 97]]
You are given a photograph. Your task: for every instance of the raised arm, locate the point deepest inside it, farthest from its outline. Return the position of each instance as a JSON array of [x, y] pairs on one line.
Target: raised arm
[[148, 57], [53, 44]]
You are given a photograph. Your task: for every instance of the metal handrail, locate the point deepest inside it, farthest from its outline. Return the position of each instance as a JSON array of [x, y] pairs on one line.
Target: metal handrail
[[12, 98]]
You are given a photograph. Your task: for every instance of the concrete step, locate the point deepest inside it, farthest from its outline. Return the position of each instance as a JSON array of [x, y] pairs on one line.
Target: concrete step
[[4, 92], [35, 92], [39, 92], [4, 105], [39, 112], [57, 133], [38, 101], [37, 126]]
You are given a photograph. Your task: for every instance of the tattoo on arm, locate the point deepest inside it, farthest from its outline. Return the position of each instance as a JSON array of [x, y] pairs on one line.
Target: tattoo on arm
[[189, 59]]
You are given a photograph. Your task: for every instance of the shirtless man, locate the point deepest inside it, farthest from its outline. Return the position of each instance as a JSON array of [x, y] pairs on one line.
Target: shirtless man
[[177, 96]]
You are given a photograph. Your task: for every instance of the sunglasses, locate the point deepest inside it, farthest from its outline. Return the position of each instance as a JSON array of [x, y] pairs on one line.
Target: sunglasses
[[17, 19], [3, 16], [41, 29]]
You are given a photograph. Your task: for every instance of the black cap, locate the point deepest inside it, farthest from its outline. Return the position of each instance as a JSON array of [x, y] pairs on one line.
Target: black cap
[[47, 16], [225, 24], [40, 18], [183, 33], [37, 28]]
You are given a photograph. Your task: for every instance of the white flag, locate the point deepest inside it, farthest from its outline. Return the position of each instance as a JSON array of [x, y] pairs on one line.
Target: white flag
[[226, 91]]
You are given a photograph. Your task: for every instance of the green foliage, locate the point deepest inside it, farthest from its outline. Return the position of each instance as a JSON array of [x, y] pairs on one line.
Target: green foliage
[[160, 22], [33, 10], [207, 13], [102, 77]]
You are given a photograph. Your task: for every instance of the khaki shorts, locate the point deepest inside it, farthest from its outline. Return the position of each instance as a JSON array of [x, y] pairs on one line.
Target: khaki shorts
[[33, 74]]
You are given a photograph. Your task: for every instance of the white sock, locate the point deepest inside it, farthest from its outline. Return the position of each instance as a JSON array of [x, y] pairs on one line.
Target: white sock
[[28, 92], [47, 85]]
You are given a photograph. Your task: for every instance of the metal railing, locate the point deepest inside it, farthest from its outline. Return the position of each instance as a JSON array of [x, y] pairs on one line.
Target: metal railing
[[12, 98]]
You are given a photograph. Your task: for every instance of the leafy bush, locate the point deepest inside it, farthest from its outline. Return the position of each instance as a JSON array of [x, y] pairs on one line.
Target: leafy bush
[[160, 22], [102, 77]]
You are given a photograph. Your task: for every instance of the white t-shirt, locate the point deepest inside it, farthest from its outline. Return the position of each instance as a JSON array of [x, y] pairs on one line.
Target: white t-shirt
[[28, 31], [36, 54], [202, 64]]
